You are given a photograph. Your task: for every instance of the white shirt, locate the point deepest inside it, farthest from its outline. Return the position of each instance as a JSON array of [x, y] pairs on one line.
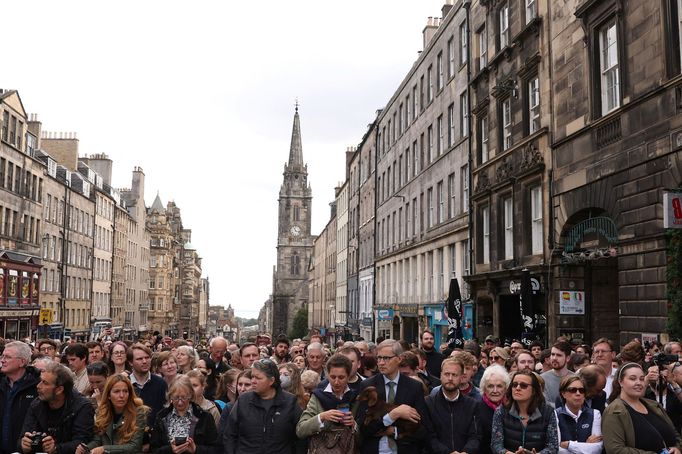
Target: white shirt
[[576, 447], [384, 448], [609, 382]]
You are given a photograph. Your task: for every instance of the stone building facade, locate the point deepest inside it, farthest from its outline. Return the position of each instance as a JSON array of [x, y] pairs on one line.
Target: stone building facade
[[322, 298], [78, 200], [136, 304], [21, 208], [617, 92], [510, 162], [294, 240], [363, 222], [422, 165], [340, 312], [161, 269]]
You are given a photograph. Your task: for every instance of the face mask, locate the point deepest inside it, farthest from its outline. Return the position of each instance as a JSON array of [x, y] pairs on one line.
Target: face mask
[[285, 380]]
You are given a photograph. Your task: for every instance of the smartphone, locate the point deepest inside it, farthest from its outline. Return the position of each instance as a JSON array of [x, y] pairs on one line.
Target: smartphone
[[343, 407], [180, 440]]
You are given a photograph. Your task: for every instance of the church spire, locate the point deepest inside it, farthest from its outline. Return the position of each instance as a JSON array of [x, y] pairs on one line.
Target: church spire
[[296, 151]]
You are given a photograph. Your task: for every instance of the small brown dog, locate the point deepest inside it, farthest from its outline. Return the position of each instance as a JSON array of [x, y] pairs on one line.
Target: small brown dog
[[376, 409]]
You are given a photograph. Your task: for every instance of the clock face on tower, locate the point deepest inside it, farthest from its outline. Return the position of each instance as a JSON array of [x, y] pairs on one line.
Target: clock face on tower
[[295, 230]]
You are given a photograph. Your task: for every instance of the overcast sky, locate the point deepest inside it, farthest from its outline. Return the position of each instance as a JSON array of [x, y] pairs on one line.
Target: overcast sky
[[201, 95]]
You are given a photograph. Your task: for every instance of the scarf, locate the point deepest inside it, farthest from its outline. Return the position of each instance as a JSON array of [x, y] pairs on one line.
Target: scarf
[[490, 403]]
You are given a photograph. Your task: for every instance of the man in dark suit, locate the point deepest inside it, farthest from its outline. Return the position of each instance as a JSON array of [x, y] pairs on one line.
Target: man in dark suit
[[381, 436]]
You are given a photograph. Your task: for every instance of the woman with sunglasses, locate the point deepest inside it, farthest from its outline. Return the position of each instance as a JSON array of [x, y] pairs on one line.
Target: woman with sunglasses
[[524, 422], [498, 355], [629, 409], [183, 426], [579, 425], [263, 421]]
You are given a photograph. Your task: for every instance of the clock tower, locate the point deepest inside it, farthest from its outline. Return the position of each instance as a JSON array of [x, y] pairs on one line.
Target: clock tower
[[294, 241]]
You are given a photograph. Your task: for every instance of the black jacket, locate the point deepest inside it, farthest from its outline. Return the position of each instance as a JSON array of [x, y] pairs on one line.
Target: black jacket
[[454, 424], [434, 358], [409, 392], [76, 424], [251, 429], [203, 431], [484, 422], [21, 401]]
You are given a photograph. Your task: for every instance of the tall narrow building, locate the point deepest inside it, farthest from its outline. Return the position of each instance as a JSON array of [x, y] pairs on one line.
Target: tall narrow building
[[294, 242]]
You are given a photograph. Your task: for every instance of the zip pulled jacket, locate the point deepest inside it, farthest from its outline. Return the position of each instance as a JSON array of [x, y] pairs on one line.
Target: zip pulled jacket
[[454, 423]]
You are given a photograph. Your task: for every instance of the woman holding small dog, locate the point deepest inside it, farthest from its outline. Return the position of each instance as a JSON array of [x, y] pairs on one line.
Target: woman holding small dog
[[120, 420], [329, 410]]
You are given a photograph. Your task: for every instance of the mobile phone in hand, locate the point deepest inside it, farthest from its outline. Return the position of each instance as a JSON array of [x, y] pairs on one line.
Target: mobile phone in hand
[[180, 440]]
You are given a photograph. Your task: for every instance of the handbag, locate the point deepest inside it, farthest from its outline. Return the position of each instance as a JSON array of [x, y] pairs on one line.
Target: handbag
[[334, 440]]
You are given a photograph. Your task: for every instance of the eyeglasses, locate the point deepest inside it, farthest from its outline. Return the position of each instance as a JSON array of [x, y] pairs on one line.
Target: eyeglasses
[[385, 359], [601, 352], [6, 358], [518, 384], [118, 353], [574, 390], [179, 398], [47, 349]]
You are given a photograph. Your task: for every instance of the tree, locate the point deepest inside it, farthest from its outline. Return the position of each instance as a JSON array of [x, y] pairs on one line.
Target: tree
[[300, 326]]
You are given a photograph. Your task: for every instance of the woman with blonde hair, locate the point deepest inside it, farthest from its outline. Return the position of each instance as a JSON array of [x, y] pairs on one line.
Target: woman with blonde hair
[[186, 358], [120, 420], [198, 380]]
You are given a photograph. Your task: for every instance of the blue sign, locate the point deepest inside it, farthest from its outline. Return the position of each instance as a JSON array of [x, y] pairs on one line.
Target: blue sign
[[385, 314]]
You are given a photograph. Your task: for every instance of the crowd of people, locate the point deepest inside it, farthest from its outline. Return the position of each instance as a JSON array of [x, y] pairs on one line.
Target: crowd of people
[[389, 397]]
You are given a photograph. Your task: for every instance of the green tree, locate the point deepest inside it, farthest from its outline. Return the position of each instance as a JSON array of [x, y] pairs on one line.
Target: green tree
[[300, 327]]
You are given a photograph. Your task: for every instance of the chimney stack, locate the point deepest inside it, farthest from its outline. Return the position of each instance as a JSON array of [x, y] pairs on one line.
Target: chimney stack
[[430, 30], [446, 8]]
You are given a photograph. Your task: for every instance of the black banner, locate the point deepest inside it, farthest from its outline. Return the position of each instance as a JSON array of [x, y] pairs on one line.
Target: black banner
[[528, 334], [454, 308]]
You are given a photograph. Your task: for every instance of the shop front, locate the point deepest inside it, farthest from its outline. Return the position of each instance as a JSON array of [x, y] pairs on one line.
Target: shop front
[[19, 293], [436, 320], [498, 305]]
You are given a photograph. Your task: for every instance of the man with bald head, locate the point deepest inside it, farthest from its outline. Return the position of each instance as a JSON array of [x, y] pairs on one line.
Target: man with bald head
[[218, 347]]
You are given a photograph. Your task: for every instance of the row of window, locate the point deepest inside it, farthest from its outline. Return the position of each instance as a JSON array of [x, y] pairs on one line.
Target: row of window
[[22, 182], [77, 317], [12, 129], [25, 228], [423, 277], [430, 209], [102, 270], [78, 288], [506, 250]]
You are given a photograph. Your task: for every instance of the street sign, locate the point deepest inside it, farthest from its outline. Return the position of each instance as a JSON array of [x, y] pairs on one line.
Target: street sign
[[45, 316], [672, 210]]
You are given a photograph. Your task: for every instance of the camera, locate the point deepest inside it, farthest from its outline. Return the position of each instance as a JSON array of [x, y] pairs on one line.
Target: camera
[[661, 359], [37, 441]]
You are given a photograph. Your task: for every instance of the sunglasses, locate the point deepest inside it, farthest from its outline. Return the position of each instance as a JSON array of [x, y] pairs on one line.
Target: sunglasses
[[518, 384], [574, 390], [495, 358]]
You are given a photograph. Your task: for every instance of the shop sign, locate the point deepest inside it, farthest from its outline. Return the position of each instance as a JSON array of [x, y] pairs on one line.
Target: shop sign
[[385, 314], [571, 302], [28, 313], [407, 308], [672, 210], [649, 338], [367, 321], [515, 286]]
